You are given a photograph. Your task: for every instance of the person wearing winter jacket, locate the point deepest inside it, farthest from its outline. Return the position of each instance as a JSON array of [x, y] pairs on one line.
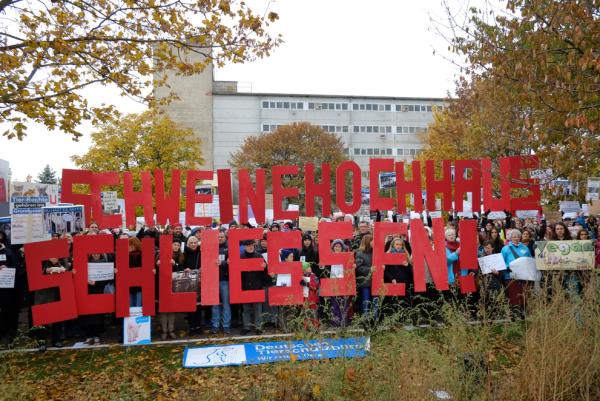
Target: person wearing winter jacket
[[253, 280], [9, 305], [364, 270], [221, 314]]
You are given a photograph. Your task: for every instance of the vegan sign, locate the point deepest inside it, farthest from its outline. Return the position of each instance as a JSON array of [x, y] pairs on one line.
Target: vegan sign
[[565, 255]]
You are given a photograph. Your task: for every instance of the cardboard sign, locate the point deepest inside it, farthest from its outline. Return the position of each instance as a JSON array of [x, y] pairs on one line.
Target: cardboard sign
[[553, 217], [494, 261], [595, 208], [308, 223], [565, 255]]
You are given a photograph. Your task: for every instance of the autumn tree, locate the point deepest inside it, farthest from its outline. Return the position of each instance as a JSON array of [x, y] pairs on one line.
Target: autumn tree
[[142, 142], [293, 144], [52, 50], [531, 85], [47, 176]]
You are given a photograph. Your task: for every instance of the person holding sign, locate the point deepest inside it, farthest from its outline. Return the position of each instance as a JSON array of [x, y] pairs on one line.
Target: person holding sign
[[340, 306], [364, 271], [516, 289], [9, 306], [309, 253], [93, 325], [398, 274]]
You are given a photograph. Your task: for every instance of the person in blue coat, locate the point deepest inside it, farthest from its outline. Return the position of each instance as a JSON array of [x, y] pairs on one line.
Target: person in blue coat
[[515, 249]]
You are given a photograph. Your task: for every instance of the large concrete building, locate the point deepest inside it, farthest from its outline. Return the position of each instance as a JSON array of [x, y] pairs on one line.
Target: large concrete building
[[222, 116]]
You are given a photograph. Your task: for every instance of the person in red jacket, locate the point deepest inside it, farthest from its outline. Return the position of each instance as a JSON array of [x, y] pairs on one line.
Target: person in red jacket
[[311, 297]]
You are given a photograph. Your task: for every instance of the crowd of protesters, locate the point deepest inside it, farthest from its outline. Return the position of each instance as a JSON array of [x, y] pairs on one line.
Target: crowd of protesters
[[512, 237]]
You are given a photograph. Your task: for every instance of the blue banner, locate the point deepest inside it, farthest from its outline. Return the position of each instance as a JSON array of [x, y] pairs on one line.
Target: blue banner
[[269, 352]]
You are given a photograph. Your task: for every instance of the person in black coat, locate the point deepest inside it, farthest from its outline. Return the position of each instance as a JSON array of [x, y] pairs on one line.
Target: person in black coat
[[254, 280], [309, 254], [9, 305], [396, 274]]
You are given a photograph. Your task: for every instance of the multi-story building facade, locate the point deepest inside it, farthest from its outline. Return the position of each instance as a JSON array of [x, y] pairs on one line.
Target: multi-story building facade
[[223, 116]]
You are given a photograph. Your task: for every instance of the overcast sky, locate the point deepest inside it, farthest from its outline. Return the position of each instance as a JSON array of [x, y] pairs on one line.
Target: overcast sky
[[348, 47]]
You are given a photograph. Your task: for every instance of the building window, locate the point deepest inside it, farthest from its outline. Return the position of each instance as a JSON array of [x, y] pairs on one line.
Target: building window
[[369, 151], [363, 151], [356, 151], [265, 105], [376, 151], [344, 128], [311, 106], [413, 152], [389, 151], [344, 106], [429, 108], [265, 128]]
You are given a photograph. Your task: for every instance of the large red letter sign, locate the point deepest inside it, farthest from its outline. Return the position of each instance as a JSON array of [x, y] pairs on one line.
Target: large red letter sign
[[135, 276], [284, 295], [98, 181], [70, 177], [238, 265], [167, 205], [345, 286], [83, 246], [209, 272], [436, 257], [323, 189], [142, 198], [191, 198], [280, 192], [381, 258], [51, 312]]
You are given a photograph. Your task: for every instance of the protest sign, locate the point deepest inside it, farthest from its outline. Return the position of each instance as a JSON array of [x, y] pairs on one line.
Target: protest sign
[[27, 227], [496, 215], [593, 189], [101, 271], [283, 280], [269, 352], [553, 217], [47, 193], [524, 214], [208, 209], [308, 223], [524, 268], [595, 208], [337, 271], [7, 277], [387, 180], [63, 219], [436, 214], [564, 255], [494, 261], [570, 207], [136, 328], [110, 204], [542, 175]]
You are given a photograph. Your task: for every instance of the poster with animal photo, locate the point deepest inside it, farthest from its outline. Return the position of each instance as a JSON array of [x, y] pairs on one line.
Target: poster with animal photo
[[63, 219], [20, 191], [136, 328]]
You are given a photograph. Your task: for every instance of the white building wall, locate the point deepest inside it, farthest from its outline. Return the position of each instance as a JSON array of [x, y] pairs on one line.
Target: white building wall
[[237, 116]]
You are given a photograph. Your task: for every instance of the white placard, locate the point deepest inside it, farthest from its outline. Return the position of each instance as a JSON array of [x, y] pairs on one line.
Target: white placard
[[293, 208], [26, 228], [494, 261], [524, 268], [569, 207], [283, 280], [266, 257], [496, 216], [101, 271], [110, 202], [337, 271], [136, 328], [7, 277], [436, 214], [524, 214], [305, 290]]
